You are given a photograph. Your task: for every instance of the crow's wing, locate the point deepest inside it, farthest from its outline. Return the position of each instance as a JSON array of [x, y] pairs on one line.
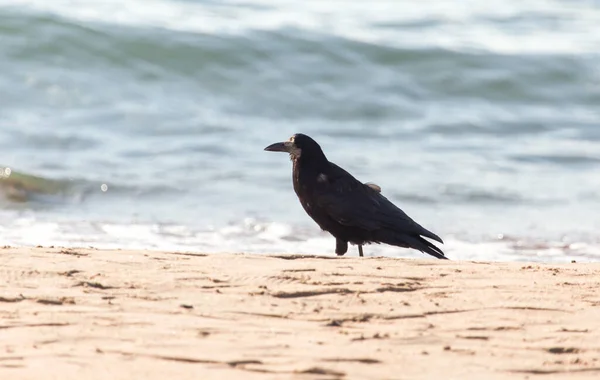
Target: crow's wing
[[352, 203]]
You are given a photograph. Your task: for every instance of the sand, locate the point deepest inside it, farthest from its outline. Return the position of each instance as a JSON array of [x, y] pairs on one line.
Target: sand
[[101, 314]]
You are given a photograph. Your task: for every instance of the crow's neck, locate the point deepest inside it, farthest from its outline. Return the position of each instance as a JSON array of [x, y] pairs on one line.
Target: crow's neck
[[314, 162]]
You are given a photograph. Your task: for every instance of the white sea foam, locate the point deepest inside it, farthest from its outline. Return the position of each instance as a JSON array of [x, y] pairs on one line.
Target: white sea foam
[[251, 236]]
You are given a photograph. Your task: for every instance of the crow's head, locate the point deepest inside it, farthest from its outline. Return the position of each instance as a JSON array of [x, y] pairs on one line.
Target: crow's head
[[298, 145]]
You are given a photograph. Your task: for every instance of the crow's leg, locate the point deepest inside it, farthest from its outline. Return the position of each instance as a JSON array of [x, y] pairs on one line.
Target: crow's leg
[[341, 247], [360, 252]]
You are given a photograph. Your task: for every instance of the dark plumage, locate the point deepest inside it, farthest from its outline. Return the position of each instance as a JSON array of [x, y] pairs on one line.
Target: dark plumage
[[351, 211]]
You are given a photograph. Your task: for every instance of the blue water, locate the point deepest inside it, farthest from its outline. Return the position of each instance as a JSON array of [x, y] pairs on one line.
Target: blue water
[[144, 122]]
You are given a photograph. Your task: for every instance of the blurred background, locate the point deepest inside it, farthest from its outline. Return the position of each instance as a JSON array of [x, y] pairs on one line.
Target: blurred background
[[142, 123]]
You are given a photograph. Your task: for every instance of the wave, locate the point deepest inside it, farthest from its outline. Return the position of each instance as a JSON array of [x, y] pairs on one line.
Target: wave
[[29, 191], [309, 73], [505, 27], [22, 187]]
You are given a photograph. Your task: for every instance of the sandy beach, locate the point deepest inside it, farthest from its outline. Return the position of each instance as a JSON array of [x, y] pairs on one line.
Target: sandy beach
[[101, 314]]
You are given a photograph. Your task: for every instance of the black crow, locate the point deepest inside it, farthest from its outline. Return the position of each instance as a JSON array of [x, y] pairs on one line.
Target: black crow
[[351, 211]]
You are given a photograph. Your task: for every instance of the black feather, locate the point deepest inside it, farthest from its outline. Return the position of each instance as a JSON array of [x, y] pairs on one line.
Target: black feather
[[348, 209]]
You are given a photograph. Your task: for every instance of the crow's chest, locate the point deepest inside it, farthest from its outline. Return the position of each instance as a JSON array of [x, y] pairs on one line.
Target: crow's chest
[[308, 187]]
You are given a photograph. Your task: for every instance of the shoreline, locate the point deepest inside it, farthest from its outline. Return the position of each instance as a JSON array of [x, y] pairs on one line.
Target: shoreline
[[120, 314]]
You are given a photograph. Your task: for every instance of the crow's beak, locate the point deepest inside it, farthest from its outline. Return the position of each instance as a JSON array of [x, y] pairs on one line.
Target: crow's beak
[[279, 147]]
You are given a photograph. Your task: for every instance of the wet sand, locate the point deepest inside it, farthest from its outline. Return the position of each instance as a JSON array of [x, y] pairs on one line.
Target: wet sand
[[102, 314]]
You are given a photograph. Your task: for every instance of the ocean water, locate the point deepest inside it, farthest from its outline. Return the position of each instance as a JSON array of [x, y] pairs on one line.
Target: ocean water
[[141, 124]]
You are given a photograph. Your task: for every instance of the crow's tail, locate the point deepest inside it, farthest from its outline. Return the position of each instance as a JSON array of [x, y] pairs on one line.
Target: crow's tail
[[413, 241], [428, 247]]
